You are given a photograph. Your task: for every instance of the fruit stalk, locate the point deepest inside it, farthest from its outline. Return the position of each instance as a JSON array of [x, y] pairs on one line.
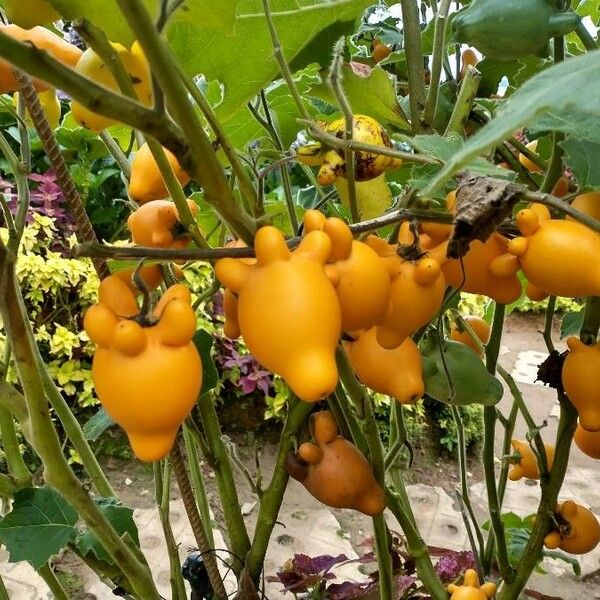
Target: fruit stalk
[[464, 102]]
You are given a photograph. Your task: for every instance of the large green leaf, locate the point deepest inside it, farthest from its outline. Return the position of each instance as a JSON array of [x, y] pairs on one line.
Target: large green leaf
[[243, 60], [577, 124], [372, 93], [105, 14], [583, 158], [557, 89], [39, 525]]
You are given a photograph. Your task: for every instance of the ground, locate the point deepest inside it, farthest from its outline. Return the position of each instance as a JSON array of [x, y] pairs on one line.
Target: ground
[[307, 526]]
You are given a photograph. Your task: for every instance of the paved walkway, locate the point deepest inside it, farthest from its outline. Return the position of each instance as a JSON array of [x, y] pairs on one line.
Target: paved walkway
[[319, 531]]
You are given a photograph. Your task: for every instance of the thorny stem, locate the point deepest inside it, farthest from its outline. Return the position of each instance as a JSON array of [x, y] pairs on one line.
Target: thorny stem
[[162, 482], [489, 423], [464, 101], [335, 83], [334, 142], [414, 59], [85, 231], [202, 164], [439, 51], [281, 61], [191, 509]]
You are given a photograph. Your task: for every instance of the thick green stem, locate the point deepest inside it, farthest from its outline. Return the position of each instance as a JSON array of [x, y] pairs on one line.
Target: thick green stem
[[281, 61], [548, 321], [218, 459], [3, 590], [45, 439], [198, 484], [489, 424], [244, 181], [585, 37], [10, 444], [205, 167], [162, 482], [591, 321], [48, 575], [464, 102], [75, 434], [413, 48], [115, 150], [543, 520], [270, 501], [439, 51], [464, 487]]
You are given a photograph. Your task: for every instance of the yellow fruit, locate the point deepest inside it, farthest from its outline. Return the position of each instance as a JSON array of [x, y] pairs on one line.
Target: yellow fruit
[[481, 329], [528, 163], [90, 65], [50, 104], [588, 204], [526, 465]]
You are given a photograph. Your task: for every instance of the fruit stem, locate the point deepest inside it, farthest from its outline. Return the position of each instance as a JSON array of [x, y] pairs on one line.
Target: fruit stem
[[439, 51], [464, 102], [413, 48]]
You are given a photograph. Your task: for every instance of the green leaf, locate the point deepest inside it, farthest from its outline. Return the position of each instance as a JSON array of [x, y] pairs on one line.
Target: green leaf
[[105, 14], [471, 382], [571, 324], [576, 123], [243, 60], [121, 519], [583, 158], [372, 93], [96, 425], [39, 525], [203, 342], [556, 89], [588, 8]]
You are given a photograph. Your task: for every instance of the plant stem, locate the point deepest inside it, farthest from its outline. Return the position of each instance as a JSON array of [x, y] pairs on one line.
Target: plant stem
[[585, 37], [335, 83], [464, 101], [284, 70], [439, 51], [85, 231], [331, 141], [530, 154], [48, 575], [516, 166], [219, 460], [244, 182], [75, 434], [205, 167], [270, 501], [532, 552], [3, 591], [548, 319], [115, 150], [191, 509], [10, 444], [464, 488], [591, 321], [489, 423], [413, 48], [198, 484], [162, 482], [563, 207]]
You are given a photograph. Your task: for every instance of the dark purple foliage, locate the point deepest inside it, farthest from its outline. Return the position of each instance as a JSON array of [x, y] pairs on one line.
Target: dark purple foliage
[[451, 564], [316, 564], [348, 590], [45, 199]]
